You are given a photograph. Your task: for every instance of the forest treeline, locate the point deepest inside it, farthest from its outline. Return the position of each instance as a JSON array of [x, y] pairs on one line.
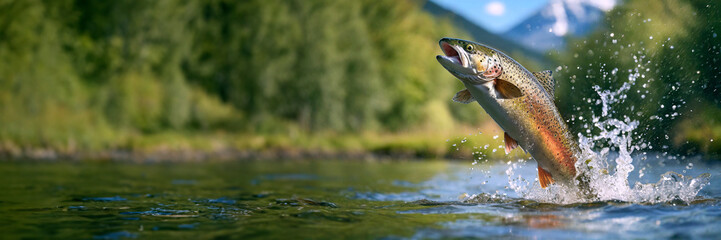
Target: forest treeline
[[669, 54], [93, 75]]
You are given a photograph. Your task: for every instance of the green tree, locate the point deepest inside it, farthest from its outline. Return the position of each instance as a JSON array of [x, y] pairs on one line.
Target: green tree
[[670, 53]]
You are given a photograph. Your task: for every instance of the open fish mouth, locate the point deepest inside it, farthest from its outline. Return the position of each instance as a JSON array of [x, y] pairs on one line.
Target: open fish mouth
[[458, 62], [453, 55]]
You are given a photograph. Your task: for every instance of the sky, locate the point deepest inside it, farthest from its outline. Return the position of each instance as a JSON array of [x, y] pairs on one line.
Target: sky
[[496, 16], [499, 16]]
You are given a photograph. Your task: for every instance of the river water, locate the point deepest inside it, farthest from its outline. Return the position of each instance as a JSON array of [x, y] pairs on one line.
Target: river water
[[342, 199], [635, 193]]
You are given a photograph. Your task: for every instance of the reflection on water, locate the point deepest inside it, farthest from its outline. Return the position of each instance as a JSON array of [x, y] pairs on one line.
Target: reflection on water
[[328, 199], [542, 221]]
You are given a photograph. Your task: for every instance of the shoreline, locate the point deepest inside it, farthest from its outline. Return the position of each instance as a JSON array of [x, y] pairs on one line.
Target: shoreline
[[190, 155], [461, 143], [230, 154]]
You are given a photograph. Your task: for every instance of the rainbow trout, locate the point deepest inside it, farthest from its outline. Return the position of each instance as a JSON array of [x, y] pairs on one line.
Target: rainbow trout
[[521, 103]]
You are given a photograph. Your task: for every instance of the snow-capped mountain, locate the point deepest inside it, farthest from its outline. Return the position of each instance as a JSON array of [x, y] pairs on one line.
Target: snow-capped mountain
[[546, 29]]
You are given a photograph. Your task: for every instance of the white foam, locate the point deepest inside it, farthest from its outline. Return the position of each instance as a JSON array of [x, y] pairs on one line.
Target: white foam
[[607, 159]]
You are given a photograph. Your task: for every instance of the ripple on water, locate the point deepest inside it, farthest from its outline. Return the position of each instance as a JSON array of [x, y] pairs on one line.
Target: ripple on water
[[222, 200], [160, 212], [104, 199], [304, 201], [188, 226], [116, 235], [516, 217]]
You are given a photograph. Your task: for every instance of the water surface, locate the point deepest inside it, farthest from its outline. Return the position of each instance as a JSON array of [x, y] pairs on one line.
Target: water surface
[[332, 199]]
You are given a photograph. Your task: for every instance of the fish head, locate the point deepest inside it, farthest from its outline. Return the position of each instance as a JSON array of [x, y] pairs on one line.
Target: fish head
[[469, 61]]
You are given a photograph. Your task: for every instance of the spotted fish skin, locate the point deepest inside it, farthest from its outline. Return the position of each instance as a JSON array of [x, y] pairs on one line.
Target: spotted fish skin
[[519, 101]]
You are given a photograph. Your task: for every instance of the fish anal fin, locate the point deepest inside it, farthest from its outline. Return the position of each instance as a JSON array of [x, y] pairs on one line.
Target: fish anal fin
[[547, 81], [544, 177], [510, 142], [506, 90], [464, 96]]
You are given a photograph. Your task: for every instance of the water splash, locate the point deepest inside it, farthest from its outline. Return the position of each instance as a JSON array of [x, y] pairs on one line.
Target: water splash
[[608, 168]]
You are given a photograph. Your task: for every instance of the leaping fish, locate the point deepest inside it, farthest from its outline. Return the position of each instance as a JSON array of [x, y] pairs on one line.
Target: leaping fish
[[521, 103]]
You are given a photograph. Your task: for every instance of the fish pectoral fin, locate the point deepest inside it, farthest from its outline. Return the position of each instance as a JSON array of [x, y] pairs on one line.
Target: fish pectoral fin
[[544, 177], [464, 96], [506, 90], [510, 142]]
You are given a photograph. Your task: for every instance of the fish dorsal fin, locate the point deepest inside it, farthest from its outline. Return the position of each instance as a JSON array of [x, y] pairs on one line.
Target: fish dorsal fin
[[506, 90], [547, 81], [544, 177], [510, 142], [464, 96]]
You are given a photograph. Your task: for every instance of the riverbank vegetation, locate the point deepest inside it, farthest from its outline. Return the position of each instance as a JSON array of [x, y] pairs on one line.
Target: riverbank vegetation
[[326, 77], [89, 76]]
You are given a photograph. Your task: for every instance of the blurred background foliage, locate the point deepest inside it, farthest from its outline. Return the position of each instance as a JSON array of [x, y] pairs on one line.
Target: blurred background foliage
[[84, 75], [670, 52]]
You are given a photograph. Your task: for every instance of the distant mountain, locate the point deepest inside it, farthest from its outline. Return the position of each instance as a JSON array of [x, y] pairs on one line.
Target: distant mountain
[[482, 35], [546, 29]]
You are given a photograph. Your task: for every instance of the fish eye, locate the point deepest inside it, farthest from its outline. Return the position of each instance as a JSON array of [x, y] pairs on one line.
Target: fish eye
[[469, 47]]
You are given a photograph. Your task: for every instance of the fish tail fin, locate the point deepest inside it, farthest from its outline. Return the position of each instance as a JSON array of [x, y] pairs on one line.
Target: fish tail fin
[[544, 177]]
